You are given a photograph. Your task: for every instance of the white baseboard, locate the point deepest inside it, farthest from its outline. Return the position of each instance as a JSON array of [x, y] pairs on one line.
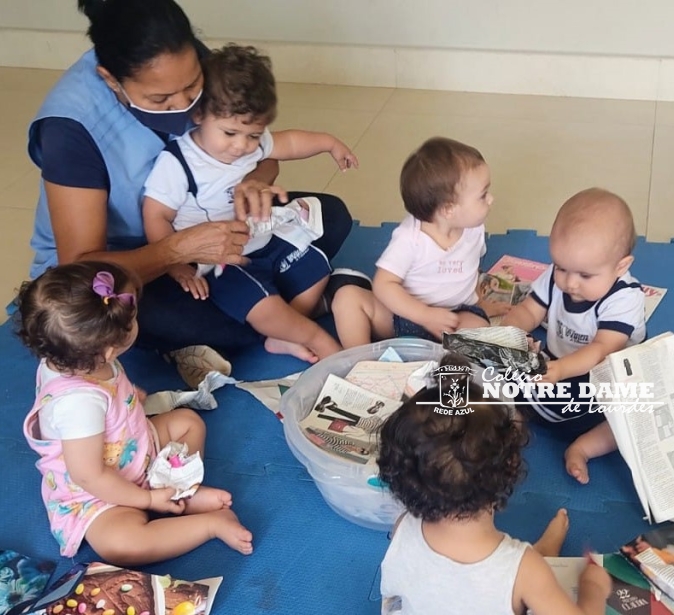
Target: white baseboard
[[632, 78]]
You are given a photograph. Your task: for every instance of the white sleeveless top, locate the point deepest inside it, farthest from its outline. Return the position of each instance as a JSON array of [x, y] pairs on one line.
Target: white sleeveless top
[[415, 580]]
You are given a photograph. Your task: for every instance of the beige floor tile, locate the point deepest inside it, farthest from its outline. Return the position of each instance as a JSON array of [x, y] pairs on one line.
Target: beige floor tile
[[332, 97], [664, 114], [15, 253], [535, 165], [314, 174], [13, 167], [27, 79], [543, 108], [23, 192]]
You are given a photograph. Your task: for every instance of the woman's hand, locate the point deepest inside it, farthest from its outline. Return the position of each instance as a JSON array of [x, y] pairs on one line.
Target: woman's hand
[[254, 198], [211, 243], [186, 276]]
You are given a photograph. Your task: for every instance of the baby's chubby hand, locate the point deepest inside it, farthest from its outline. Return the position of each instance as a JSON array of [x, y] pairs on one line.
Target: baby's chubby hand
[[343, 156], [161, 502], [436, 320], [553, 374]]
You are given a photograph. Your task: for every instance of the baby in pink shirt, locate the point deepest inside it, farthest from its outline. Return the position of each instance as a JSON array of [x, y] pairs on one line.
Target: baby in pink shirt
[[427, 277]]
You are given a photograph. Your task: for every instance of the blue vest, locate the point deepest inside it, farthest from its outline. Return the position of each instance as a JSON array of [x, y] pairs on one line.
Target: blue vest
[[128, 148]]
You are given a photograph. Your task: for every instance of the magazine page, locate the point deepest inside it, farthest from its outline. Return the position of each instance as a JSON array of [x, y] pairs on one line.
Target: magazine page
[[22, 580], [567, 572], [508, 281], [630, 590], [346, 419], [644, 395], [652, 297], [385, 378], [653, 554], [100, 587]]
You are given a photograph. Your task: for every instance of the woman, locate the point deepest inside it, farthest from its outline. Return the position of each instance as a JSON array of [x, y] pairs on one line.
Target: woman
[[95, 139]]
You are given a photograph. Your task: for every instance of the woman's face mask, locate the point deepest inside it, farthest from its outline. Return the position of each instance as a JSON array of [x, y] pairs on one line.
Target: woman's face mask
[[173, 122]]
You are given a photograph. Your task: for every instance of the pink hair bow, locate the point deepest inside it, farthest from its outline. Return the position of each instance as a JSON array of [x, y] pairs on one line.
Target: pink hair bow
[[104, 286]]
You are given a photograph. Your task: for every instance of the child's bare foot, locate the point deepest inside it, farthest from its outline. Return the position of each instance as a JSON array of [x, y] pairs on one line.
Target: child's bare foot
[[576, 463], [276, 346], [227, 528], [550, 543], [208, 499]]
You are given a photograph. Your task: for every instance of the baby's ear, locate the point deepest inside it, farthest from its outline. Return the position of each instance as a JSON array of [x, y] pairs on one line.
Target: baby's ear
[[624, 264], [445, 210]]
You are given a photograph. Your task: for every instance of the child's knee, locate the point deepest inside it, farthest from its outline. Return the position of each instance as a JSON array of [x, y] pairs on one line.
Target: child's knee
[[190, 420], [351, 298]]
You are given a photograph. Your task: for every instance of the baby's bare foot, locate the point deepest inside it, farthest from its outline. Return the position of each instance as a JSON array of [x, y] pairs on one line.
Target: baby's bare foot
[[276, 346], [227, 528], [575, 460], [208, 499], [550, 543]]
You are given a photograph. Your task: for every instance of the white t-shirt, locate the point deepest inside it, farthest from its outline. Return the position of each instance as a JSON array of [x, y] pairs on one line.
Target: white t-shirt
[[415, 580], [167, 182], [79, 414], [438, 277], [574, 325]]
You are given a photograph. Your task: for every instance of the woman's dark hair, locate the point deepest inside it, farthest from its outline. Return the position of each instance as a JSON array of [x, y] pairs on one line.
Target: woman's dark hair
[[238, 81], [430, 175], [64, 321], [127, 34], [440, 465]]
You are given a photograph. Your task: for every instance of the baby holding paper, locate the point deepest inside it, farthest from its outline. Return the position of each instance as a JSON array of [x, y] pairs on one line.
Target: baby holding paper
[[194, 179], [93, 438], [594, 307]]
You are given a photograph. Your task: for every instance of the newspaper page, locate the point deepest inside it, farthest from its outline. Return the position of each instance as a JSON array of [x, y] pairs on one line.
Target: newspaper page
[[641, 397], [386, 378], [346, 419]]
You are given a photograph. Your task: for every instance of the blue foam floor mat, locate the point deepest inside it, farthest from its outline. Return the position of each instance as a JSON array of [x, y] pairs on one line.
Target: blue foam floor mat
[[308, 559]]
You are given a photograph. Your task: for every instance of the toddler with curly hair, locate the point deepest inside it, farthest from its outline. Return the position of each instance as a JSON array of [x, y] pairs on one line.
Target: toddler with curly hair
[[452, 472]]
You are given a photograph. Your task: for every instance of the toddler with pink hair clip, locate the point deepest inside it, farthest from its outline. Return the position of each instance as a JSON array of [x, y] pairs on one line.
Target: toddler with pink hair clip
[[91, 433]]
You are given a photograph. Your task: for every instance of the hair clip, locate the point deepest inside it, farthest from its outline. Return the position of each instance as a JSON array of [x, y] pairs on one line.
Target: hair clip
[[104, 285]]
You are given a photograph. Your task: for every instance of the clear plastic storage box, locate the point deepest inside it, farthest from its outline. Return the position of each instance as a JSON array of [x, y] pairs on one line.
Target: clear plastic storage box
[[349, 488]]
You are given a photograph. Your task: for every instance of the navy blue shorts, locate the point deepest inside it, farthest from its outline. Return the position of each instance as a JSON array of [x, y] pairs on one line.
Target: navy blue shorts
[[406, 328], [277, 269], [565, 425]]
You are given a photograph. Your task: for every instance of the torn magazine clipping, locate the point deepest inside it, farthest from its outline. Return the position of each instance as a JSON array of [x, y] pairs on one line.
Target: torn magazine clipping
[[501, 348], [652, 554], [346, 419], [98, 587], [509, 281], [635, 390]]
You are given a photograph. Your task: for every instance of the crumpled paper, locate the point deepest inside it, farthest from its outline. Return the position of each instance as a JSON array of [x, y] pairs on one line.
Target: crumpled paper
[[299, 222], [201, 399], [173, 467], [501, 348]]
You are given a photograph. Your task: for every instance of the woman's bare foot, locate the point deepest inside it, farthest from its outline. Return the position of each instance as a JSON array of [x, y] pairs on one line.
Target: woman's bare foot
[[276, 346], [575, 460], [550, 543], [208, 499], [227, 528]]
